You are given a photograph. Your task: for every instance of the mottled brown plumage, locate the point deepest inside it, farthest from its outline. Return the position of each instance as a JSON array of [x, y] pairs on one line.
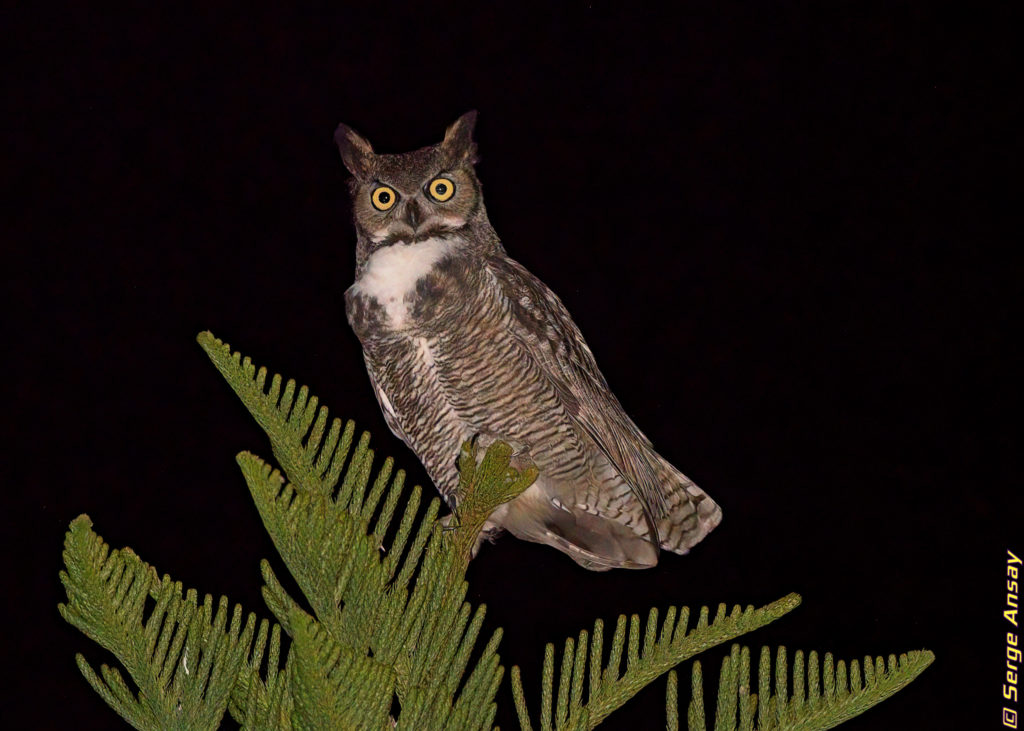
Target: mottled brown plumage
[[462, 342]]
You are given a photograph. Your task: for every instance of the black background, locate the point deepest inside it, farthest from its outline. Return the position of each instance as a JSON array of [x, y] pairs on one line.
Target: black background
[[780, 231]]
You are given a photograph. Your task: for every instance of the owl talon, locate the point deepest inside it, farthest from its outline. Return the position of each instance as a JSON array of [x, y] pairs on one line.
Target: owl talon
[[483, 440], [521, 459], [488, 534]]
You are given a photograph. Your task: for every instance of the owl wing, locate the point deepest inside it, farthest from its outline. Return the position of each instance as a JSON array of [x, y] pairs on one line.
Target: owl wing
[[386, 407], [540, 320]]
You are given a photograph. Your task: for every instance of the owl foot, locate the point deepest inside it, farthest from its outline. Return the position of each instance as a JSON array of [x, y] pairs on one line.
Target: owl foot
[[521, 458], [488, 533]]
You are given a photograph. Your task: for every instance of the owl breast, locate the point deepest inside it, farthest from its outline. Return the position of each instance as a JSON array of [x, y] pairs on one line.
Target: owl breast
[[400, 287], [393, 283]]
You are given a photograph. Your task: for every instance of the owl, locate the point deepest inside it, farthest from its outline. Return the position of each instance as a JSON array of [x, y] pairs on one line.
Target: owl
[[462, 342]]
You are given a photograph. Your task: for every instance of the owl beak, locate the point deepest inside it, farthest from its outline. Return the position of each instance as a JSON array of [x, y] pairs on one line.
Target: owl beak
[[411, 215]]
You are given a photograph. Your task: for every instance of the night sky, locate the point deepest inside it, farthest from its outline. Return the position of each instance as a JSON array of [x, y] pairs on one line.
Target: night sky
[[784, 234]]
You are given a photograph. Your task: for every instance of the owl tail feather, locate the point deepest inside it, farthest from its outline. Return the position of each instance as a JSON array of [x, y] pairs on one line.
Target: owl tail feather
[[690, 513], [593, 541], [597, 543], [546, 514]]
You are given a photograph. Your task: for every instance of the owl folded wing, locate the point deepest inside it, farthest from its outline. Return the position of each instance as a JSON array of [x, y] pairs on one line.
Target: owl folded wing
[[542, 323]]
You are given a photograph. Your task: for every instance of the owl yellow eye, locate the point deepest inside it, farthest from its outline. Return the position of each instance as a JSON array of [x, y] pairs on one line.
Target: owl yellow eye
[[441, 189], [383, 198]]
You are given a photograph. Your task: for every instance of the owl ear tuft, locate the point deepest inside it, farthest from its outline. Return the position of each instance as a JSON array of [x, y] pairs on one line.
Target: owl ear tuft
[[458, 138], [356, 151]]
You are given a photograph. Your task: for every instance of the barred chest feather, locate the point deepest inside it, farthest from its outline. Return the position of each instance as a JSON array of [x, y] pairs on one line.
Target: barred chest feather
[[403, 286]]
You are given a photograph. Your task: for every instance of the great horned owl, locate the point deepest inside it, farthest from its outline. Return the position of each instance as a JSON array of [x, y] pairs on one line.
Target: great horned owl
[[463, 342]]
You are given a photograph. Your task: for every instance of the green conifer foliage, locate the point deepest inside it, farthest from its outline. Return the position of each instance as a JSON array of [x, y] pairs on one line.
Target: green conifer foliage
[[390, 638], [821, 697]]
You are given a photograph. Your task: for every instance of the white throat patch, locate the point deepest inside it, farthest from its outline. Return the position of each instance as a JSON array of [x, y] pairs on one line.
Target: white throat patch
[[392, 272]]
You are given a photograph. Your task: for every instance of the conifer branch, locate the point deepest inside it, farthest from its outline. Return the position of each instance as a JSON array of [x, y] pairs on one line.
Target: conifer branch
[[672, 702], [493, 481], [264, 705], [423, 631], [183, 658], [391, 622], [609, 688], [806, 708], [295, 425], [333, 687], [334, 558], [331, 537], [695, 711]]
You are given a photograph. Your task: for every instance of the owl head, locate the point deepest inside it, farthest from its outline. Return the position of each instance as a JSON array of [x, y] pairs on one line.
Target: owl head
[[410, 197]]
